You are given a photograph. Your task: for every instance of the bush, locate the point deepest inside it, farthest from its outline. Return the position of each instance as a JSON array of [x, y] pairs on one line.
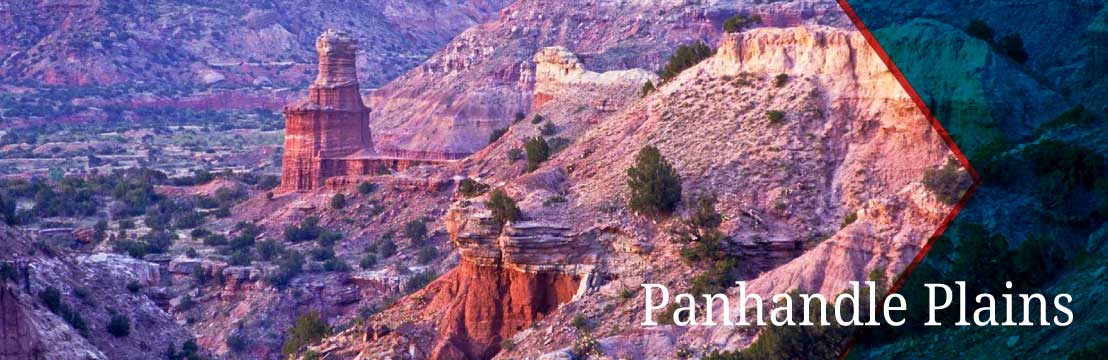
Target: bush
[[329, 238], [309, 328], [739, 22], [235, 342], [537, 119], [506, 344], [686, 56], [134, 287], [268, 249], [647, 88], [780, 80], [119, 325], [981, 30], [427, 254], [849, 219], [7, 210], [579, 322], [418, 281], [368, 261], [496, 134], [239, 258], [548, 129], [307, 230], [537, 152], [515, 154], [700, 232], [470, 188], [503, 207], [415, 230], [655, 185], [775, 116], [366, 188], [945, 183], [519, 117], [1012, 45], [338, 201], [215, 240], [291, 264], [387, 248]]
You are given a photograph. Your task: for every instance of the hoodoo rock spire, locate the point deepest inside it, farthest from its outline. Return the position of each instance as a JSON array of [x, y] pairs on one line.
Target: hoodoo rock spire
[[327, 130]]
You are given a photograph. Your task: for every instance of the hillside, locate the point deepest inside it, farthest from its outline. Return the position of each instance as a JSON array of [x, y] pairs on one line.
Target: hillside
[[850, 142], [193, 44], [448, 106]]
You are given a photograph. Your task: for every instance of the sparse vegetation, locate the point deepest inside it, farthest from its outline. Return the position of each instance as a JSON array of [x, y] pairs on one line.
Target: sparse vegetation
[[470, 188], [52, 298], [945, 183], [537, 152], [980, 29], [647, 89], [685, 57], [338, 201], [850, 218], [780, 80], [366, 188], [538, 119], [309, 328], [548, 129], [418, 281], [415, 230], [655, 185], [496, 134], [119, 325], [1012, 45], [368, 261], [775, 116], [515, 154], [740, 22], [503, 207], [427, 254]]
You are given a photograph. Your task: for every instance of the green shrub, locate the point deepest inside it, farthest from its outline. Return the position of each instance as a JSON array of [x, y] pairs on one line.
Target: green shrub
[[338, 201], [291, 264], [686, 56], [981, 30], [119, 325], [416, 230], [519, 117], [945, 183], [537, 119], [134, 287], [427, 254], [496, 134], [739, 22], [515, 154], [418, 281], [780, 80], [470, 188], [647, 88], [235, 342], [368, 261], [503, 207], [1095, 351], [268, 249], [1012, 45], [506, 344], [700, 232], [366, 188], [537, 152], [579, 322], [308, 329], [655, 185], [387, 248], [548, 129], [849, 219], [775, 116]]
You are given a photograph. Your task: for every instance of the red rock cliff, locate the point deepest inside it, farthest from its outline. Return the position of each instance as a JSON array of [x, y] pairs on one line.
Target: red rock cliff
[[332, 123]]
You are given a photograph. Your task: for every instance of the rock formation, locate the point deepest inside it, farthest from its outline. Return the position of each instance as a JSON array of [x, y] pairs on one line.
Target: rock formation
[[556, 69], [327, 134]]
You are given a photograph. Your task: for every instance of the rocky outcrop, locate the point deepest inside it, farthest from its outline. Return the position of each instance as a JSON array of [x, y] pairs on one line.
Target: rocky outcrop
[[17, 340], [480, 305], [558, 70], [327, 134]]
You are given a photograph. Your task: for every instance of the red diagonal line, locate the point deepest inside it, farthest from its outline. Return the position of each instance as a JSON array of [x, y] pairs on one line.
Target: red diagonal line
[[903, 277]]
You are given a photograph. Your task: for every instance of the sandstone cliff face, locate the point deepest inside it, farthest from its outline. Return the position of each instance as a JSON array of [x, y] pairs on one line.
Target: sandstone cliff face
[[476, 84]]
